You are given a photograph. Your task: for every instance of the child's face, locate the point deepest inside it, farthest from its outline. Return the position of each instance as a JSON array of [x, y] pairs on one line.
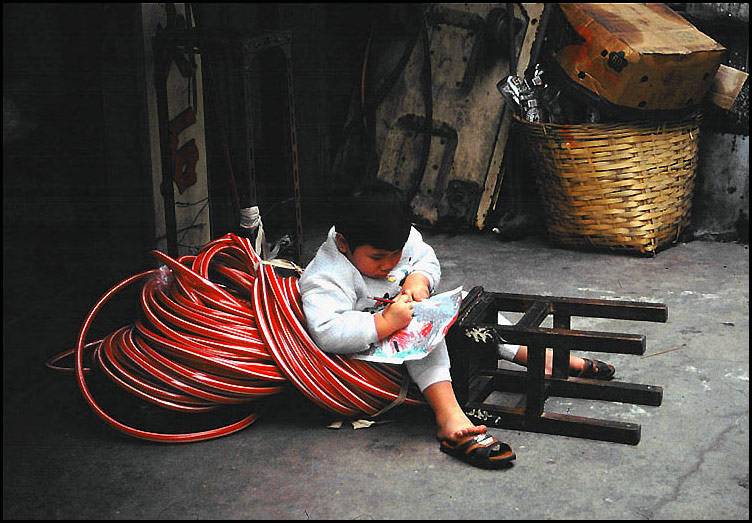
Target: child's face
[[370, 261], [373, 262]]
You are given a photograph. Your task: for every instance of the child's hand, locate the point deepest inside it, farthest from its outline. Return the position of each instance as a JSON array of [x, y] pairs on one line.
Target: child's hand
[[416, 286], [398, 314]]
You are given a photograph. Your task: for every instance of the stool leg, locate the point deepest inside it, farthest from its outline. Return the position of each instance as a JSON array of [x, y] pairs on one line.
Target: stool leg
[[536, 375], [561, 355]]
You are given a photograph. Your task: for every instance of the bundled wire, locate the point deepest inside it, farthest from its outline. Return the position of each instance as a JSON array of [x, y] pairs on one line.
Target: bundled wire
[[234, 338]]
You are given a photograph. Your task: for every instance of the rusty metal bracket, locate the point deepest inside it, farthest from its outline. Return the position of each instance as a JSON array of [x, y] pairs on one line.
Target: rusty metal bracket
[[473, 342]]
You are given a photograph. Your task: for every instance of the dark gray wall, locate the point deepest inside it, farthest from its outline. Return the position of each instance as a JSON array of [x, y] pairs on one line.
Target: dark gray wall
[[721, 203], [75, 194]]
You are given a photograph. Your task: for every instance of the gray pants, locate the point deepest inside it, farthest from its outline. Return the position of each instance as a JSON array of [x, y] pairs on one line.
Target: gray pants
[[431, 369], [435, 367]]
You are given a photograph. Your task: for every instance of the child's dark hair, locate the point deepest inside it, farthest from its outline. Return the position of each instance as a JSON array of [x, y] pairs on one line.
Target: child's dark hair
[[376, 214]]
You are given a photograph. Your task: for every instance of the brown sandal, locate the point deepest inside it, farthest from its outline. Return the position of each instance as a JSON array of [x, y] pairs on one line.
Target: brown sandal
[[483, 451], [596, 370]]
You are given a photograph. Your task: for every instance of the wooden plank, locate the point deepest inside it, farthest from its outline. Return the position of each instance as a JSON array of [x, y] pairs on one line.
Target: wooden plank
[[464, 104], [494, 173], [611, 342], [727, 84], [553, 423], [535, 315], [585, 307], [635, 393]]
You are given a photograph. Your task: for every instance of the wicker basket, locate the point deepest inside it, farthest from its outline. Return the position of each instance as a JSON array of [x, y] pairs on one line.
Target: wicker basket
[[625, 186]]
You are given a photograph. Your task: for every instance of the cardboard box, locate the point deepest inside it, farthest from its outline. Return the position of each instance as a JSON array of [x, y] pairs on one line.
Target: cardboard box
[[642, 56]]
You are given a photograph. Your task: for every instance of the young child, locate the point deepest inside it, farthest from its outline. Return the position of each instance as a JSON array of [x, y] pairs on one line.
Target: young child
[[373, 250]]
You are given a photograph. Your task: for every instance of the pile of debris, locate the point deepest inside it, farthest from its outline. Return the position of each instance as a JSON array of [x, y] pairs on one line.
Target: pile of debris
[[600, 65], [534, 100], [644, 70]]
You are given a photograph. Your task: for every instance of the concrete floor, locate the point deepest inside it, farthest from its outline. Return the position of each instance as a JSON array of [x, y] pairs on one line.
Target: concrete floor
[[61, 462]]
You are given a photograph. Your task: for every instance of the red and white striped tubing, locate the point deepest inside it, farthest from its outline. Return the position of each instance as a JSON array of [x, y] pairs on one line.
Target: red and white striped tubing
[[202, 344]]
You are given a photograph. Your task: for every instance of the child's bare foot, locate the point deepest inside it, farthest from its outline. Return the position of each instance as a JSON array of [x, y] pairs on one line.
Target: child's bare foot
[[473, 444], [457, 428], [452, 424], [457, 434], [576, 364]]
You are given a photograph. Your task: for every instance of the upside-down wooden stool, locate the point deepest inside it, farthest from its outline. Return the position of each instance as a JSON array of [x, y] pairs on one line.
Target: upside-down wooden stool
[[474, 338]]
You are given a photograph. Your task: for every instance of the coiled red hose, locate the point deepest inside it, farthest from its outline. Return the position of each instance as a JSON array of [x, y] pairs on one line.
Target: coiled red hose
[[202, 344]]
